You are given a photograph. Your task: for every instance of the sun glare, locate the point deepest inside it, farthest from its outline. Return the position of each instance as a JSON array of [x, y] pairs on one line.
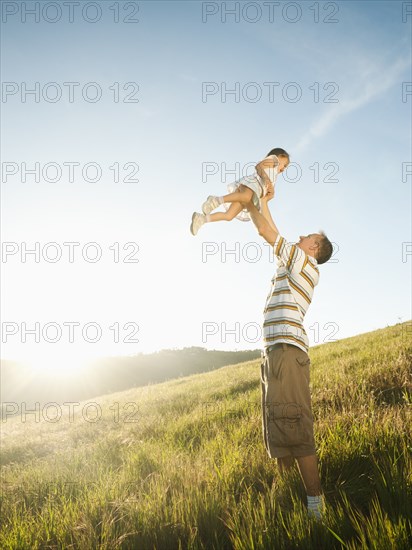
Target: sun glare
[[57, 365]]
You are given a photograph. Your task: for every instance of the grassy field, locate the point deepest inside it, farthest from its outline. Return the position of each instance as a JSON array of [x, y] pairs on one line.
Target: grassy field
[[182, 464]]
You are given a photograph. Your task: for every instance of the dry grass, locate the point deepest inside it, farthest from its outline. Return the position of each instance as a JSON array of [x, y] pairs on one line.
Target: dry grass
[[182, 464]]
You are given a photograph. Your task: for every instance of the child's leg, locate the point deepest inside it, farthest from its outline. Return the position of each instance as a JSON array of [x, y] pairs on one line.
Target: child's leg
[[232, 212], [244, 194]]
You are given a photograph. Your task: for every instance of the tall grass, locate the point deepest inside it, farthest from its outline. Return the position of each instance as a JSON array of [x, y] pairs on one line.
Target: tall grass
[[182, 464]]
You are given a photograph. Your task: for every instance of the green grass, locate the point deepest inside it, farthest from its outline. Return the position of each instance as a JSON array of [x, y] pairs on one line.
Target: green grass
[[184, 465]]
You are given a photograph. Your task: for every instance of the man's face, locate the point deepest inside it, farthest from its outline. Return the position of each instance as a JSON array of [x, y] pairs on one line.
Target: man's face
[[309, 243], [283, 164]]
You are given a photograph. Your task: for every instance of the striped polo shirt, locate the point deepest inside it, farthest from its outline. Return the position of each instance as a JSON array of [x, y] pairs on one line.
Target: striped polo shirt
[[290, 296]]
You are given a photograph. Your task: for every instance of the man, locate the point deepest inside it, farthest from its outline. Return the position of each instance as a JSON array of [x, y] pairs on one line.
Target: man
[[286, 402]]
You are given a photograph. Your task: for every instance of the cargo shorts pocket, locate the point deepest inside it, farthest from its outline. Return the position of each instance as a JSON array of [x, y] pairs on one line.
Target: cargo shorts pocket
[[303, 361], [285, 424], [303, 365]]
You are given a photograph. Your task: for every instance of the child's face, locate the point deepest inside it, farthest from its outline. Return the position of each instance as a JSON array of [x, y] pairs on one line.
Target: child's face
[[283, 164]]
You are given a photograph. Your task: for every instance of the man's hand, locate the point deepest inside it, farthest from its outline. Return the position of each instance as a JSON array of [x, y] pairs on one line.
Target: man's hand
[[270, 193]]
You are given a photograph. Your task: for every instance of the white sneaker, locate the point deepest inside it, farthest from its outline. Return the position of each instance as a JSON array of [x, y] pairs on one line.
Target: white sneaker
[[197, 221], [210, 204]]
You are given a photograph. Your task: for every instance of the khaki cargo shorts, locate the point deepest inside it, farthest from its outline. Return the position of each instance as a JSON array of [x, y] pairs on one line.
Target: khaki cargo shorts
[[287, 419]]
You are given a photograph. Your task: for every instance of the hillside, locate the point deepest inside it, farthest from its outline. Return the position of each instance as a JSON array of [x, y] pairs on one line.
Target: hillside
[[181, 464]]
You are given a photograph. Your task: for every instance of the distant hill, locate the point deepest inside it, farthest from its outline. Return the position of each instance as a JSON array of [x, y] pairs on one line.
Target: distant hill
[[113, 374]]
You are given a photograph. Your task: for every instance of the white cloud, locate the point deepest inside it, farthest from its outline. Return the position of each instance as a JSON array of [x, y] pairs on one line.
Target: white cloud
[[373, 82]]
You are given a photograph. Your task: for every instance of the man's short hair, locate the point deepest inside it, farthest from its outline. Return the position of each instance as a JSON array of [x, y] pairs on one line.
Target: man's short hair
[[325, 249]]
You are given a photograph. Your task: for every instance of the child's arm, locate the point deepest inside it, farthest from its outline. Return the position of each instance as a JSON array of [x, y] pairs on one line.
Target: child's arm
[[262, 169], [261, 172], [267, 169]]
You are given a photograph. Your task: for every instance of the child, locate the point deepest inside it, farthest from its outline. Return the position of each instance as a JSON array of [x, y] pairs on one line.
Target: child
[[243, 191]]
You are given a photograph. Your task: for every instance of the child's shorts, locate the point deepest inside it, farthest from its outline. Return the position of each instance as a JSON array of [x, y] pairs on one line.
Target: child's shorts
[[287, 420], [258, 189]]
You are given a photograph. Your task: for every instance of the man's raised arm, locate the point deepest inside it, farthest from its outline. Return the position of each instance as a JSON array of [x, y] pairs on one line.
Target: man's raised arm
[[269, 196], [265, 229], [265, 208]]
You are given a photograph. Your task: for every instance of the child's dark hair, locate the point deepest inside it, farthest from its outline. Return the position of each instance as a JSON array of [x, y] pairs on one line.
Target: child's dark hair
[[279, 153]]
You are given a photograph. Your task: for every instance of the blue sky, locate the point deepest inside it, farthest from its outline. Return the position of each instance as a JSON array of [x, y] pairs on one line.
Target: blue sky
[[176, 295]]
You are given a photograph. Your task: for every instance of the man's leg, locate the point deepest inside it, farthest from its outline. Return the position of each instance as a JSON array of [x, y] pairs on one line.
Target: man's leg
[[287, 401], [285, 463], [308, 466]]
